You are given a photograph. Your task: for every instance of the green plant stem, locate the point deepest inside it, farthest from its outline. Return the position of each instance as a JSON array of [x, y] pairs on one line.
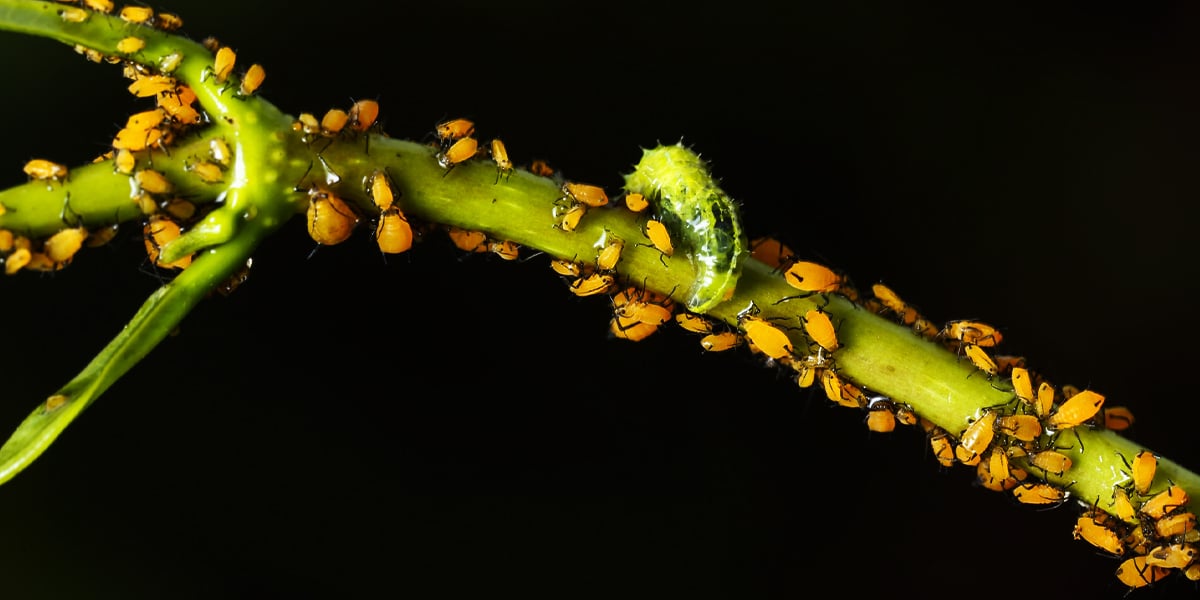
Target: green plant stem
[[277, 164]]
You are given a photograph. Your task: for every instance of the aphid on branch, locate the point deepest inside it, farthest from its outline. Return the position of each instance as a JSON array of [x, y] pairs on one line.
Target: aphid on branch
[[393, 234], [591, 195], [459, 152], [252, 80], [504, 166], [1078, 409], [972, 332], [450, 131], [40, 168], [813, 278], [330, 219], [158, 232], [363, 114], [820, 328]]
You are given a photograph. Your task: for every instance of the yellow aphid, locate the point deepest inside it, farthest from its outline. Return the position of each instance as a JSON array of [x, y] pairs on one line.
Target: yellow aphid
[[124, 161], [812, 277], [1022, 427], [1117, 418], [1136, 572], [1122, 507], [153, 182], [976, 438], [54, 403], [101, 237], [820, 328], [468, 240], [636, 202], [169, 62], [103, 6], [146, 120], [568, 218], [596, 283], [771, 252], [1172, 556], [1175, 524], [168, 21], [506, 249], [252, 80], [694, 323], [943, 449], [591, 195], [363, 114], [137, 14], [330, 220], [998, 464], [455, 129], [1045, 399], [1098, 535], [1022, 384], [643, 306], [178, 104], [566, 268], [1050, 461], [182, 210], [720, 341], [159, 231], [130, 45], [136, 139], [904, 313], [659, 237], [1039, 493], [634, 331], [393, 234], [207, 171], [40, 168], [334, 121], [972, 332], [223, 63], [379, 186], [1078, 409], [17, 260], [1165, 502], [610, 253], [74, 15], [980, 358], [835, 389], [63, 245], [144, 86], [881, 420], [462, 150], [504, 165], [806, 375], [1144, 467], [770, 339]]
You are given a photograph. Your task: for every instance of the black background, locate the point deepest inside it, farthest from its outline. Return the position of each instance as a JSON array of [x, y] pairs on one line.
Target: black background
[[434, 427]]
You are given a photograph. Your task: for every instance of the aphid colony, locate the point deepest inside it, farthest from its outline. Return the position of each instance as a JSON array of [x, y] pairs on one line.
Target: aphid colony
[[1147, 525], [167, 214], [1151, 529]]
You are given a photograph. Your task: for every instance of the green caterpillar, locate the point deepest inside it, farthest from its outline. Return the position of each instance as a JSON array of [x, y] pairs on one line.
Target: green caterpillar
[[695, 210]]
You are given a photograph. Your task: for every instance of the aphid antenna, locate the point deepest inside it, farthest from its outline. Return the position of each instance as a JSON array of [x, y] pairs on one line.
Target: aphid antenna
[[796, 297], [530, 257]]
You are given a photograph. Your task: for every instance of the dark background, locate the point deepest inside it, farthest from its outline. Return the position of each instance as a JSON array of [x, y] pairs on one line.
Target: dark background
[[433, 427]]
